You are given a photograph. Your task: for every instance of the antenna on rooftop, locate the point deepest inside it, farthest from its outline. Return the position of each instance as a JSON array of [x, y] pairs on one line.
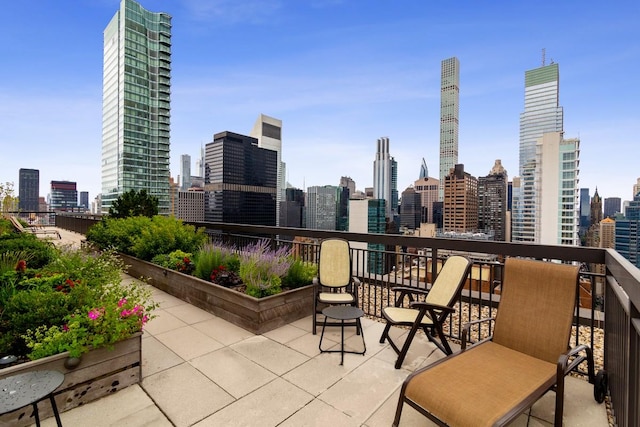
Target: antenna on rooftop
[[544, 51]]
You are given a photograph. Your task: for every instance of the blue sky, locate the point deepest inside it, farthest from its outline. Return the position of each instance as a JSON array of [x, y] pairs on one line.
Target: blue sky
[[339, 74]]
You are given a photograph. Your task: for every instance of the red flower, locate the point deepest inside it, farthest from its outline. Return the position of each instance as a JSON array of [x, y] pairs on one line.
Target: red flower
[[21, 266]]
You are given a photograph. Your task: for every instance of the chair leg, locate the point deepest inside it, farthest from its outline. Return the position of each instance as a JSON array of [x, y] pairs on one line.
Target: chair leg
[[396, 419], [385, 333], [406, 345]]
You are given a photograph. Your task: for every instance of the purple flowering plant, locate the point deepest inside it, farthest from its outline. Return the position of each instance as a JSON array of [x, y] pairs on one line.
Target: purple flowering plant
[[262, 268]]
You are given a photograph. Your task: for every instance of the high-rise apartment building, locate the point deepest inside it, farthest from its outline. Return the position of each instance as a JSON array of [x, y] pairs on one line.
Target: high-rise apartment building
[[385, 178], [321, 207], [492, 202], [612, 205], [460, 205], [542, 113], [608, 233], [64, 196], [28, 190], [556, 189], [627, 231], [84, 200], [240, 181], [190, 205], [449, 117], [346, 189], [268, 132], [136, 104], [185, 172]]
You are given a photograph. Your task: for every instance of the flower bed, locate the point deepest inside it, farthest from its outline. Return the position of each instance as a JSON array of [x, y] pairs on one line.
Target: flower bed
[[100, 372], [257, 315]]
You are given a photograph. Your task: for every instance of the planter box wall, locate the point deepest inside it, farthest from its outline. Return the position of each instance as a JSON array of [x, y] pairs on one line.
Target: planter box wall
[[257, 315], [100, 372]]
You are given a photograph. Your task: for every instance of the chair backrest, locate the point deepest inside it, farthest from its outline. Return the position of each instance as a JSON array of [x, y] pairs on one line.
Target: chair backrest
[[537, 304], [334, 265], [448, 284]]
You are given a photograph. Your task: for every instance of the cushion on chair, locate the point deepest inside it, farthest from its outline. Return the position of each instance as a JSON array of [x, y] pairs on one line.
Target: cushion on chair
[[404, 315], [335, 298], [447, 280], [479, 386]]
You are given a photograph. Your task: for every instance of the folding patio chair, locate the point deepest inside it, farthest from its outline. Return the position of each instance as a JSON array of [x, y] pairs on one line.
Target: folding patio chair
[[335, 283], [496, 379], [430, 314]]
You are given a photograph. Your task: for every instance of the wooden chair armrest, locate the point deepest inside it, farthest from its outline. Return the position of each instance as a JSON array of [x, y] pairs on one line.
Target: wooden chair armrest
[[466, 331], [356, 281], [406, 290]]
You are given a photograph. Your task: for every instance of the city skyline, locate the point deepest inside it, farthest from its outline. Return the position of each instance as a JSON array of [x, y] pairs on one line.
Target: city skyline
[[339, 75]]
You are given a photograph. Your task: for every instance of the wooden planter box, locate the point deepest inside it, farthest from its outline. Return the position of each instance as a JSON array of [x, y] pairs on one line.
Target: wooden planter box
[[257, 315], [100, 372]]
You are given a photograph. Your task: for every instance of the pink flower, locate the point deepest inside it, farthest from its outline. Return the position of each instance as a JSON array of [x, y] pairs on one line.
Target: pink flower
[[65, 328], [122, 302], [125, 313], [94, 314]]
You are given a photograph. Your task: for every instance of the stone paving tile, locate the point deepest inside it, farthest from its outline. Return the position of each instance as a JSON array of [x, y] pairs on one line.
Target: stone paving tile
[[185, 395], [318, 413], [163, 322], [189, 313], [274, 356], [188, 342], [367, 387], [237, 375], [130, 406], [222, 331], [156, 356], [285, 334], [268, 406], [308, 344]]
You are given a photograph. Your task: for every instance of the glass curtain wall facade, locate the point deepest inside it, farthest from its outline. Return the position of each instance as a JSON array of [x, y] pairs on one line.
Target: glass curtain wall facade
[[385, 178], [542, 113], [240, 181], [449, 117], [136, 104], [29, 190]]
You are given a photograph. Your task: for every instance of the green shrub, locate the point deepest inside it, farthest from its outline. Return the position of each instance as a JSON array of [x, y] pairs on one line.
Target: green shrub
[[40, 251], [211, 256], [176, 260], [300, 274], [144, 237]]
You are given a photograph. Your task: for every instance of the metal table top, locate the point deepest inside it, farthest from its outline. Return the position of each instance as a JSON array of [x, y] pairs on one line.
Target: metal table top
[[343, 312], [24, 389]]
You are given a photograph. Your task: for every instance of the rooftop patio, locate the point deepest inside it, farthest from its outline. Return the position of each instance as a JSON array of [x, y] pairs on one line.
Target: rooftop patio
[[200, 370]]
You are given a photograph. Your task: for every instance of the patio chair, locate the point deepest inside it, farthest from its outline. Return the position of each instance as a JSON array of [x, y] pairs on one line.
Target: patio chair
[[33, 230], [493, 381], [430, 314], [335, 284]]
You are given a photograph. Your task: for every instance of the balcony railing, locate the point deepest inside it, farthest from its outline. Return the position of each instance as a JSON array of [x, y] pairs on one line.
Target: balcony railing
[[609, 296]]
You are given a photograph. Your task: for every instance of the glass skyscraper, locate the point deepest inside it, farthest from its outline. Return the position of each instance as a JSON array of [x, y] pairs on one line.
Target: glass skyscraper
[[449, 118], [542, 113], [29, 190], [136, 104], [385, 178]]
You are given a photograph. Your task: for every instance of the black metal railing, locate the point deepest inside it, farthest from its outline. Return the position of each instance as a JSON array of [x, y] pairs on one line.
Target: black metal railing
[[608, 320]]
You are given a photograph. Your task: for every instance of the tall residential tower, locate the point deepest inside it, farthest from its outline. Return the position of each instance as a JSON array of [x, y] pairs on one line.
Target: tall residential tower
[[449, 112], [385, 178], [136, 104], [542, 113]]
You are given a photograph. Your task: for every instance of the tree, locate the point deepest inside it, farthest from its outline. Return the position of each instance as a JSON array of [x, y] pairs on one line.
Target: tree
[[7, 201], [134, 203]]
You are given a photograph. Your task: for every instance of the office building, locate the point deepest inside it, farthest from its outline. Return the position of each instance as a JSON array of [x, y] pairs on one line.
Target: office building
[[608, 233], [460, 205], [410, 209], [292, 209], [428, 188], [627, 231], [321, 205], [424, 171], [240, 181], [592, 236], [185, 172], [636, 188], [84, 200], [346, 189], [268, 131], [64, 196], [556, 189], [542, 113], [28, 190], [449, 117], [136, 104], [190, 206], [585, 210], [612, 206], [385, 178], [492, 202]]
